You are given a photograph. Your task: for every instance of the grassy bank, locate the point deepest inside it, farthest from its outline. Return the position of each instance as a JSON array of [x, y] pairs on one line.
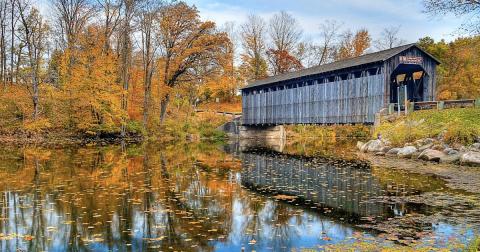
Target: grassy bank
[[474, 245], [459, 125], [300, 132], [178, 126], [194, 126]]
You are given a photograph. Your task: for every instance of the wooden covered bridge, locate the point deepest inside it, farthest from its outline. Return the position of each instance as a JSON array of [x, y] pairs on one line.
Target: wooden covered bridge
[[349, 91]]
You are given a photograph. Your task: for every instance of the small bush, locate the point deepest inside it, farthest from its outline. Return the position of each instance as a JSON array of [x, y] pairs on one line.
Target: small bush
[[135, 128]]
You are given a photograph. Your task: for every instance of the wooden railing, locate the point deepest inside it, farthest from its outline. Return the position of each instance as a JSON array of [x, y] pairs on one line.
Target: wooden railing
[[425, 105]]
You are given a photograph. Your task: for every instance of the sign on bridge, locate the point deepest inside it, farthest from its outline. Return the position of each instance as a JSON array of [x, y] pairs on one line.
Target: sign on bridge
[[410, 60]]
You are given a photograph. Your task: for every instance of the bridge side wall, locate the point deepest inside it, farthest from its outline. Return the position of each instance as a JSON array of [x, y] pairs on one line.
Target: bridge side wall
[[352, 100]]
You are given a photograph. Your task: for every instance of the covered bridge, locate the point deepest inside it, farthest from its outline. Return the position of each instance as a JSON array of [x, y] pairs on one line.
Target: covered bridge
[[344, 92]]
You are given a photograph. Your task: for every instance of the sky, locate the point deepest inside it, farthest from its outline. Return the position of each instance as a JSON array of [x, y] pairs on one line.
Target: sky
[[374, 15]]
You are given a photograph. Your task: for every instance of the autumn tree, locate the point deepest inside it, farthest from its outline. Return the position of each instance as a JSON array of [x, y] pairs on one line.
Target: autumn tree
[[95, 92], [282, 61], [147, 22], [224, 83], [71, 18], [252, 33], [185, 42], [460, 8], [353, 45], [125, 54], [285, 34], [3, 42], [458, 76], [111, 15], [34, 34], [389, 38], [9, 49], [323, 52]]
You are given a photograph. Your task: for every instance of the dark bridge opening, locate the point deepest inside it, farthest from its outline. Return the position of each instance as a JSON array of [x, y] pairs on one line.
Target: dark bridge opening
[[410, 76]]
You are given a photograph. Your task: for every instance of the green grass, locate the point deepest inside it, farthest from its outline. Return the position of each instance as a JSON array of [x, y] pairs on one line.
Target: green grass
[[474, 245], [459, 125]]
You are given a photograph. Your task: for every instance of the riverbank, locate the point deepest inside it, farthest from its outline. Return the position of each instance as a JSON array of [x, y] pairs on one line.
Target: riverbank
[[442, 136], [179, 127]]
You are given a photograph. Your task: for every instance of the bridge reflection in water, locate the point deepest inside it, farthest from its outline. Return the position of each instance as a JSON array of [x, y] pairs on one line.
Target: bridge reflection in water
[[346, 188]]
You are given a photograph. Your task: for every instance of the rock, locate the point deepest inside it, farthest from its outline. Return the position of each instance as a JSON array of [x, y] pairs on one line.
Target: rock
[[386, 149], [447, 150], [475, 147], [393, 151], [453, 152], [380, 153], [373, 146], [406, 152], [471, 158], [424, 147], [449, 159], [360, 145], [431, 155], [439, 147], [423, 142]]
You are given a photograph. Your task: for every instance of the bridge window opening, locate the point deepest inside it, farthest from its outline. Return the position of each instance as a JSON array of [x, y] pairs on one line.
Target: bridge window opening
[[372, 71], [357, 74], [310, 83], [344, 76], [331, 79]]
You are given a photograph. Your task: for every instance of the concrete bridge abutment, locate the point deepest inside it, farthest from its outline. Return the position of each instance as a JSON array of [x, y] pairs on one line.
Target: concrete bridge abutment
[[262, 132]]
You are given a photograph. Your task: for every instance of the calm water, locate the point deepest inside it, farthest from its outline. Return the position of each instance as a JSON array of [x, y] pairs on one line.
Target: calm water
[[200, 197]]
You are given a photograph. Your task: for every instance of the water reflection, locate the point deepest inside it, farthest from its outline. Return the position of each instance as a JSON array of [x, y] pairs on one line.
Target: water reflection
[[350, 189], [185, 198]]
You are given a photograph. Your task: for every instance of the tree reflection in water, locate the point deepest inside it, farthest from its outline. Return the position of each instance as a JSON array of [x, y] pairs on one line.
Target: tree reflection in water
[[150, 197]]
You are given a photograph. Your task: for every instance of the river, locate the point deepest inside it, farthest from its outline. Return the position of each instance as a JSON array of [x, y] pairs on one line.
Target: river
[[216, 197]]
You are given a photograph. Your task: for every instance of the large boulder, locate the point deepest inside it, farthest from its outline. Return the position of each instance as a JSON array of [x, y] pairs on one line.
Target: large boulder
[[407, 152], [424, 147], [475, 147], [373, 146], [431, 155], [449, 159], [393, 151], [471, 158]]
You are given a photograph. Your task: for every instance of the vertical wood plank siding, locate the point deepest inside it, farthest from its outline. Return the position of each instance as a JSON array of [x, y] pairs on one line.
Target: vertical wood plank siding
[[344, 96], [353, 100]]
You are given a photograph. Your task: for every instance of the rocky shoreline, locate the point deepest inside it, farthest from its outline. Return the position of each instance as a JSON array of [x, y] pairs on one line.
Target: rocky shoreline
[[428, 149]]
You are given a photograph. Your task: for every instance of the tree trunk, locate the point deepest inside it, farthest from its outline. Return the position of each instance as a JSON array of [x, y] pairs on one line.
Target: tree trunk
[[163, 108], [146, 99], [12, 43], [35, 97], [125, 62]]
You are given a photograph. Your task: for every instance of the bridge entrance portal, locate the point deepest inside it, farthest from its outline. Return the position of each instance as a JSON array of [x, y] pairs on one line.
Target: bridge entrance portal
[[411, 77]]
